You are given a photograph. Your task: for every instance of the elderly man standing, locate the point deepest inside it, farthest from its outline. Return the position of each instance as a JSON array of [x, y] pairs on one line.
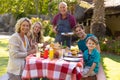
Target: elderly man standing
[[63, 22]]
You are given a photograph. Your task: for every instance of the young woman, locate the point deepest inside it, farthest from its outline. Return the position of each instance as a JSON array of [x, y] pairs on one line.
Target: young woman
[[37, 32], [35, 35]]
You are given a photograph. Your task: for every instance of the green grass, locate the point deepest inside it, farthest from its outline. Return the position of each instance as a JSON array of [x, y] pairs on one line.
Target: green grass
[[110, 62], [3, 55]]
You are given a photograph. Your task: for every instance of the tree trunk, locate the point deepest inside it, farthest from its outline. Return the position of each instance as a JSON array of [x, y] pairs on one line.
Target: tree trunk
[[36, 6], [98, 26]]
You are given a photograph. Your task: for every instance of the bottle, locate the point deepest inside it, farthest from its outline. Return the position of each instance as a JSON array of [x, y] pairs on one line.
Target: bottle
[[51, 53], [45, 55], [64, 45], [37, 53]]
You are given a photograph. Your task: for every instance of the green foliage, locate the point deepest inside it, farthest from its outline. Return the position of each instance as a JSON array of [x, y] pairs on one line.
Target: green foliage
[[22, 8], [3, 55], [110, 45], [48, 28]]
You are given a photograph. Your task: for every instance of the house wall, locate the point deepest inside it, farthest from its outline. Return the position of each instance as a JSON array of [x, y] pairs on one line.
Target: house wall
[[113, 22]]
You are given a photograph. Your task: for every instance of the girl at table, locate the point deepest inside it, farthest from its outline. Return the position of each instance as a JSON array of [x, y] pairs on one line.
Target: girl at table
[[19, 49], [36, 36], [36, 33], [91, 57]]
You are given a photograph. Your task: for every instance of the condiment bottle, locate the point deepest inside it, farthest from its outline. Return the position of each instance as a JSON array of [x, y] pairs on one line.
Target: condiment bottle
[[51, 53], [46, 52]]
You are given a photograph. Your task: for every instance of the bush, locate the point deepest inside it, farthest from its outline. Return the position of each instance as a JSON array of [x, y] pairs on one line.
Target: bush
[[48, 28], [110, 45]]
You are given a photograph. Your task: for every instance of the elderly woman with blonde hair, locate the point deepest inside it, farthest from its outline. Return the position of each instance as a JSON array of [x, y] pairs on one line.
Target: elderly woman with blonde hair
[[19, 49]]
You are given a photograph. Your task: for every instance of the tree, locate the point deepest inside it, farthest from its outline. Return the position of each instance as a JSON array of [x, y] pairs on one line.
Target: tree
[[98, 26]]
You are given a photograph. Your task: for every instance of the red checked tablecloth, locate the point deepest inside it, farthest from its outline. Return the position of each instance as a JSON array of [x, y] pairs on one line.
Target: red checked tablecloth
[[56, 69]]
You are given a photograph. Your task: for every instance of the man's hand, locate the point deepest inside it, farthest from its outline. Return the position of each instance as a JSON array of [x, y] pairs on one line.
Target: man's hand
[[54, 30]]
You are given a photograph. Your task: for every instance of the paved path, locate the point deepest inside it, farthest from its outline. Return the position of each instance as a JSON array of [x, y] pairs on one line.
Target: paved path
[[4, 36]]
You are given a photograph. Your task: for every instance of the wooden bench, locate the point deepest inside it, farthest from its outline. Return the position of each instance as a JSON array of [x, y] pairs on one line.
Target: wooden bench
[[90, 78]]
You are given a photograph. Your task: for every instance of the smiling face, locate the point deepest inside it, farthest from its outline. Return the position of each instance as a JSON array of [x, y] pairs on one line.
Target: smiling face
[[36, 28], [80, 32], [63, 8], [91, 44], [24, 27]]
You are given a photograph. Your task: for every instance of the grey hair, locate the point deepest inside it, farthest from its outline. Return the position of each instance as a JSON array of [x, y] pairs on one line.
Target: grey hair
[[64, 3], [19, 22]]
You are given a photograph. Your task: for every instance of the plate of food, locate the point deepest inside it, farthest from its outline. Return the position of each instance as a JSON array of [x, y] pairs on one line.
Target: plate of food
[[73, 59], [76, 56]]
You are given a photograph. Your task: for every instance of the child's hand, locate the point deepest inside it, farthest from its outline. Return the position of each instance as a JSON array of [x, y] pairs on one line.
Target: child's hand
[[85, 75]]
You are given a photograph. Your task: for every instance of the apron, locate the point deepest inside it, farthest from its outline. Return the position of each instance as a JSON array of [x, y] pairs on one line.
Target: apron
[[63, 26]]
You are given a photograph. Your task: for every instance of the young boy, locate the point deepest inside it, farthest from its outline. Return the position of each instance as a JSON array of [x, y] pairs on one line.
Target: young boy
[[91, 57]]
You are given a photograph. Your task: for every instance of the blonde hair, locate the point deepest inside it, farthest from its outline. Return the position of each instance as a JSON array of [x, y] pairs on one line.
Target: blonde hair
[[19, 22], [40, 34]]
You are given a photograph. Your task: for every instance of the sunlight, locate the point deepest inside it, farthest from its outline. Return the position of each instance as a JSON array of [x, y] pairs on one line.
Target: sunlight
[[112, 69]]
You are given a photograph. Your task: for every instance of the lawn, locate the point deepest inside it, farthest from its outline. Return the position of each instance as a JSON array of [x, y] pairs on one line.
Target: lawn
[[3, 55], [110, 62]]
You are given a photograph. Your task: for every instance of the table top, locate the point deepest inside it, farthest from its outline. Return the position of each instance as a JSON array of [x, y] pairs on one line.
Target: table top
[[56, 69]]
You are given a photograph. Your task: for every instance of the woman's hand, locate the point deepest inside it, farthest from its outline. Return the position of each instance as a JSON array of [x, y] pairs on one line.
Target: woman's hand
[[32, 51], [33, 44]]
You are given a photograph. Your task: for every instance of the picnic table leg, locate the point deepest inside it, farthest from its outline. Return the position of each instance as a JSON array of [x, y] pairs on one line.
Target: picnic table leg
[[73, 77]]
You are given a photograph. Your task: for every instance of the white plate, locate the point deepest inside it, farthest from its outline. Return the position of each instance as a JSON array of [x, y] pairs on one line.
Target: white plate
[[63, 33], [71, 59], [78, 56], [69, 33]]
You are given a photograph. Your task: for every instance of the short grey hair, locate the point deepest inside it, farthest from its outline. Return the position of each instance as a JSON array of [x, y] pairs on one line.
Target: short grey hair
[[64, 3], [19, 22]]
